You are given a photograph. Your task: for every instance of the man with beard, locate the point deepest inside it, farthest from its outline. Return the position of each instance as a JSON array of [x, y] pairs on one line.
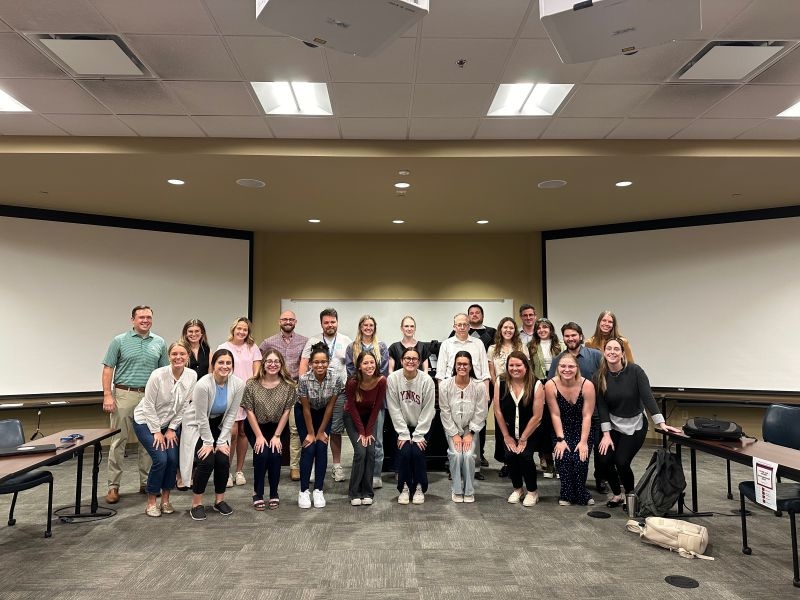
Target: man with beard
[[290, 345]]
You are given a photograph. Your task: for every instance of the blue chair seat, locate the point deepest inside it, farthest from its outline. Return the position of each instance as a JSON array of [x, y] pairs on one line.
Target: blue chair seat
[[26, 481], [787, 493]]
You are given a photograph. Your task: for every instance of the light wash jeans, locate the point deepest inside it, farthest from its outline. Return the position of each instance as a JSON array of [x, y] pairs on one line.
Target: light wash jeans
[[378, 468], [462, 467]]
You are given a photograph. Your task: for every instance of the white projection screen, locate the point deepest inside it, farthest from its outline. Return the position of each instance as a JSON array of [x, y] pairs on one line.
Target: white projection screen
[[712, 307], [68, 289]]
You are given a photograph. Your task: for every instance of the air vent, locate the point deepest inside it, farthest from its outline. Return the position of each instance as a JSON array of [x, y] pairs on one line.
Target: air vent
[[91, 56], [732, 61]]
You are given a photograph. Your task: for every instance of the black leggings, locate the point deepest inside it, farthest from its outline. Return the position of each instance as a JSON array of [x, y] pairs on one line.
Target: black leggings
[[615, 466], [216, 462]]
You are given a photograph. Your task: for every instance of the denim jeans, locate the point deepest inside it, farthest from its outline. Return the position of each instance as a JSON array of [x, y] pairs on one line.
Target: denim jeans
[[412, 469], [165, 462], [462, 467], [315, 455]]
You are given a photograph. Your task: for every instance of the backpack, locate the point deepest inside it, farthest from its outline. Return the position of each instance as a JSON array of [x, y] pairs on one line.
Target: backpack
[[712, 429], [661, 485], [687, 539]]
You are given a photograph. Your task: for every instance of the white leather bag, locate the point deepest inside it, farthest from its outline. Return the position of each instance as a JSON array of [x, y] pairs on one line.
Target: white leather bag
[[687, 539]]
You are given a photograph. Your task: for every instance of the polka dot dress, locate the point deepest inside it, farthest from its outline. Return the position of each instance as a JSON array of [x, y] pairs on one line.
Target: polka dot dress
[[571, 469]]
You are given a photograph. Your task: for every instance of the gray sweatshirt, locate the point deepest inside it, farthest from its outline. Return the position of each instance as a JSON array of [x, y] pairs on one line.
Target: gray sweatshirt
[[411, 403]]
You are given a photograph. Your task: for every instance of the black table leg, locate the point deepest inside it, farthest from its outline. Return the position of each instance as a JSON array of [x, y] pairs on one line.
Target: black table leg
[[95, 512], [693, 463], [728, 469]]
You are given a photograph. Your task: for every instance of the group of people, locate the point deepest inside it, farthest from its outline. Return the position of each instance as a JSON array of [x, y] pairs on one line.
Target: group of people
[[196, 413]]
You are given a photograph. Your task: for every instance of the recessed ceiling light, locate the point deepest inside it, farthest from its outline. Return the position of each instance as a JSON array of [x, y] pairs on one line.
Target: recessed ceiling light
[[404, 172], [551, 184], [398, 221], [176, 181], [792, 111], [250, 183], [482, 222], [528, 99], [623, 183], [313, 220], [402, 185], [86, 55], [9, 104], [293, 97]]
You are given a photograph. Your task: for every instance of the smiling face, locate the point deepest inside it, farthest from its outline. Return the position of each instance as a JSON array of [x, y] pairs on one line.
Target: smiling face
[[606, 324], [272, 364], [410, 362], [508, 330], [178, 356], [544, 332], [461, 327], [194, 334], [222, 367], [567, 367], [528, 317], [142, 321], [516, 369], [330, 325], [367, 329], [462, 367], [572, 339], [475, 315], [613, 353], [287, 321], [408, 327], [368, 366], [319, 364], [240, 332]]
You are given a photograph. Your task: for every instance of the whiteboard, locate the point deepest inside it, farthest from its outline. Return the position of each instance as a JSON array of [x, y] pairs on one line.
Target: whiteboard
[[68, 288], [709, 307], [434, 317]]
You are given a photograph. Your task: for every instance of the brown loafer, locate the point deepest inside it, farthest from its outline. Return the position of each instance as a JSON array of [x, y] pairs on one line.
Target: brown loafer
[[112, 497], [294, 474]]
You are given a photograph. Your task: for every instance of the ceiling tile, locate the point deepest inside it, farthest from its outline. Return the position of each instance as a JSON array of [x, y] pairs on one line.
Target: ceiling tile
[[54, 16], [774, 129], [442, 129], [474, 18], [234, 127], [27, 124], [4, 27], [185, 57], [451, 100], [533, 27], [133, 97], [512, 128], [214, 97], [374, 129], [753, 101], [716, 129], [651, 65], [717, 14], [312, 128], [157, 16], [162, 126], [537, 61], [605, 100], [682, 100], [765, 20], [393, 64], [370, 99], [786, 70], [485, 60], [647, 129], [91, 125], [237, 17], [18, 58], [277, 59], [579, 129], [52, 96]]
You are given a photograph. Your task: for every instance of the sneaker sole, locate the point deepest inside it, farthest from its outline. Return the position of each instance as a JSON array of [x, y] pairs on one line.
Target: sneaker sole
[[224, 514]]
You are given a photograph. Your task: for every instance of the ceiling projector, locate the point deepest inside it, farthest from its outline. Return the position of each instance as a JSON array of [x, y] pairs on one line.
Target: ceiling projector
[[593, 29], [362, 27]]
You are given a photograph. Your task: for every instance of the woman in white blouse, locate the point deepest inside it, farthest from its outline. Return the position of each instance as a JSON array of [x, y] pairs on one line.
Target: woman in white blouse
[[463, 404], [157, 420]]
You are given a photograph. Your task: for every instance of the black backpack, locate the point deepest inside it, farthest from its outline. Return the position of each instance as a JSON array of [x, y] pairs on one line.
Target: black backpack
[[661, 485]]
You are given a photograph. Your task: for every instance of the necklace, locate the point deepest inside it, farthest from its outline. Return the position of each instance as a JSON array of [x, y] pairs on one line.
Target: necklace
[[615, 373]]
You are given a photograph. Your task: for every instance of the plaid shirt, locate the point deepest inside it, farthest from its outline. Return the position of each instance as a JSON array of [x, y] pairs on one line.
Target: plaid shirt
[[291, 350], [318, 393]]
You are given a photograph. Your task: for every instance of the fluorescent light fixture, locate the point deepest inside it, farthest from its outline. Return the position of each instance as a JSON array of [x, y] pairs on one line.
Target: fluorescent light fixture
[[792, 111], [176, 181], [402, 185], [726, 61], [9, 104], [623, 183], [398, 221], [528, 99], [293, 97], [482, 222], [313, 221]]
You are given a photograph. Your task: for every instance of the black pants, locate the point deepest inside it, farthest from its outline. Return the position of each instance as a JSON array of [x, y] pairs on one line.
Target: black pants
[[521, 467], [615, 466], [267, 463], [216, 462]]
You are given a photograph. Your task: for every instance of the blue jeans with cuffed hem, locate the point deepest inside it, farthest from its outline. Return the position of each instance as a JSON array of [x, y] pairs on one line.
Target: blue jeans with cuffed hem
[[315, 455], [164, 471]]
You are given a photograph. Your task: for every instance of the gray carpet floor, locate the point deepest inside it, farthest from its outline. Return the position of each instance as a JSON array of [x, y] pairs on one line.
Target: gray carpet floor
[[435, 551]]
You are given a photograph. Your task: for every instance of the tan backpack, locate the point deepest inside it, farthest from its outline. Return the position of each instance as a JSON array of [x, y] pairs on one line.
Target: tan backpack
[[687, 539]]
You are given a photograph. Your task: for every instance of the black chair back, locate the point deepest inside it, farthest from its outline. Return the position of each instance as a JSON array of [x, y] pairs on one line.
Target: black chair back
[[781, 426], [11, 433]]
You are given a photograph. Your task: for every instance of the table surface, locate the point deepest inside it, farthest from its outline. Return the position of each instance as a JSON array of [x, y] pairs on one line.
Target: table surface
[[17, 465]]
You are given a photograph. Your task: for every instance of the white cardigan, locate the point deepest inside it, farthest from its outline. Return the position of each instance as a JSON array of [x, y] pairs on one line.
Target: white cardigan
[[196, 416], [164, 399]]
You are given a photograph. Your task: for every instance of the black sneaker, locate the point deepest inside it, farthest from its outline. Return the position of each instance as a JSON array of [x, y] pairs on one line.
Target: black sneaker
[[198, 513], [484, 462], [223, 508], [480, 476], [503, 471]]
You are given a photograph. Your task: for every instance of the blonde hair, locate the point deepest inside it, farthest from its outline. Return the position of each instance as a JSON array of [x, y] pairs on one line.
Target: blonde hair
[[249, 340], [357, 342]]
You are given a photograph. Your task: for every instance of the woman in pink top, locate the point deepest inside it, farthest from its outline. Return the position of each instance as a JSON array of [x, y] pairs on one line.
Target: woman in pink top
[[246, 358]]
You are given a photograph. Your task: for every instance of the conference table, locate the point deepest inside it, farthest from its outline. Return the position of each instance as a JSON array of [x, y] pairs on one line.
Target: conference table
[[742, 451], [19, 464]]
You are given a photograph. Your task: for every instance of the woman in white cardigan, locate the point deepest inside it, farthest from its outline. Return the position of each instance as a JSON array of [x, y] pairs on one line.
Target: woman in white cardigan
[[157, 421], [207, 423]]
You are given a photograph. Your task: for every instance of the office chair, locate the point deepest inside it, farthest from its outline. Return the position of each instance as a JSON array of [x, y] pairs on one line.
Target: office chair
[[780, 427], [11, 435]]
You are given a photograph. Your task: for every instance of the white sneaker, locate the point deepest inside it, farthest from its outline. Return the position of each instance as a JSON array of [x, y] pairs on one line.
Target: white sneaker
[[419, 497], [230, 481], [338, 472], [548, 474], [531, 499], [590, 502], [515, 497], [366, 501], [304, 499], [240, 480], [377, 483], [457, 498], [319, 499], [403, 497], [566, 503], [355, 502], [469, 498]]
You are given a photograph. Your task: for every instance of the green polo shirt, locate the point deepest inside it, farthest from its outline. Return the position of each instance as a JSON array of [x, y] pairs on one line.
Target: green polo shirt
[[134, 357]]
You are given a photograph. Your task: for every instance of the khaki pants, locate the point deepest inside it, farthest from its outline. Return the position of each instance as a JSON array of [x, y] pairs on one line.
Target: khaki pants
[[294, 442], [122, 419]]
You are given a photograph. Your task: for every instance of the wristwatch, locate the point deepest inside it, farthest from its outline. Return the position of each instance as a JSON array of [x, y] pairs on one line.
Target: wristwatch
[[560, 439]]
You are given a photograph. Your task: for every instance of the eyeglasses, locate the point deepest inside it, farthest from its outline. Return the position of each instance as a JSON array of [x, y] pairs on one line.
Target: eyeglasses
[[319, 363], [288, 320], [460, 366], [272, 362], [410, 359]]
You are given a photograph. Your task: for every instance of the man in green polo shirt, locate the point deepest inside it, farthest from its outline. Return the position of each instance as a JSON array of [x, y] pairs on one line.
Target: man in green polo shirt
[[130, 359]]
